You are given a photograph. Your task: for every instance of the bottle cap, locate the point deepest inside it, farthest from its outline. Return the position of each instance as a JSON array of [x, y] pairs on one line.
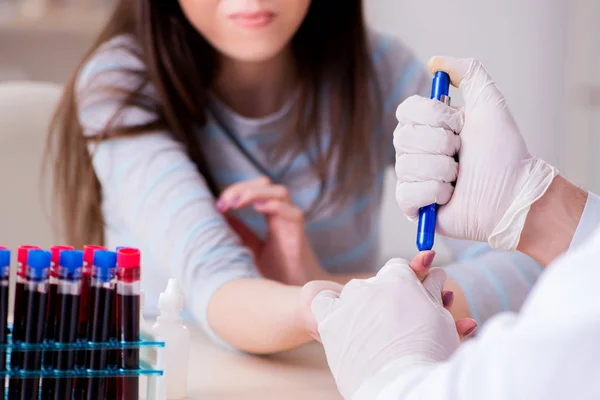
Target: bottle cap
[[4, 263], [4, 257], [38, 262], [171, 300], [128, 257], [71, 262], [88, 253], [22, 252], [104, 265], [56, 250]]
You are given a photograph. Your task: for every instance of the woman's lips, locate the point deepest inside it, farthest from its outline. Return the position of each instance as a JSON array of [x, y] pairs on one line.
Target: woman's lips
[[258, 19]]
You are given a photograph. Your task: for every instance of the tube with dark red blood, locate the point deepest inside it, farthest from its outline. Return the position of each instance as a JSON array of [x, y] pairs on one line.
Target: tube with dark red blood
[[4, 285], [67, 313], [19, 310], [51, 306], [35, 293], [20, 307], [128, 319], [84, 309], [102, 290]]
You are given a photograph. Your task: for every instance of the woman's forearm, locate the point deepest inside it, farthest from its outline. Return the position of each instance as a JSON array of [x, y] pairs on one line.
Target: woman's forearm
[[258, 316]]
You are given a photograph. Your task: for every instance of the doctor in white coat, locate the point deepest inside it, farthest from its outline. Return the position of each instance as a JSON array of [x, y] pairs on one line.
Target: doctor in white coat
[[390, 337]]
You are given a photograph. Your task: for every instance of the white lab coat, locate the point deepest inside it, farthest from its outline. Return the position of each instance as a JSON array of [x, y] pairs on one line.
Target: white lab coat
[[549, 351]]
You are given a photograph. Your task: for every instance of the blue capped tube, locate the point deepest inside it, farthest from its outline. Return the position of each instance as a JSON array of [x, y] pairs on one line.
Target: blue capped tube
[[440, 90]]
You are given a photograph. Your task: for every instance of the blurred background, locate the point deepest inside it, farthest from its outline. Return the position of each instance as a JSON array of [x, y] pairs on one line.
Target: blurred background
[[544, 54]]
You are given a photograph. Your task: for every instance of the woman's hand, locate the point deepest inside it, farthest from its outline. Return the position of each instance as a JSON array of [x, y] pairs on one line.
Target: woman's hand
[[286, 256]]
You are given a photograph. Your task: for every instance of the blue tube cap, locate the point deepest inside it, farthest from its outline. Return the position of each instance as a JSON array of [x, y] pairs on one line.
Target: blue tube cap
[[105, 263], [4, 263], [4, 258], [71, 263], [38, 263], [440, 86]]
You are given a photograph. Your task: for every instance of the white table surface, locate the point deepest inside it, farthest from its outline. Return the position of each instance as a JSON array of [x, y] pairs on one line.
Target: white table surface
[[219, 374]]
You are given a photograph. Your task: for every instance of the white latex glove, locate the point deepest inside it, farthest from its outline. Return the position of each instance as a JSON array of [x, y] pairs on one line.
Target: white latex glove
[[383, 320], [497, 180]]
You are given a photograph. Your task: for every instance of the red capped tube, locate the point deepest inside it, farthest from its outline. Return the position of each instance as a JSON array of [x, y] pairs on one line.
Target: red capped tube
[[20, 305], [88, 257], [128, 318], [22, 252], [55, 250], [84, 306]]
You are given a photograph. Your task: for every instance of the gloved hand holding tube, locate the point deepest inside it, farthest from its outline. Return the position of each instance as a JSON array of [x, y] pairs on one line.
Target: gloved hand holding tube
[[427, 215], [498, 180]]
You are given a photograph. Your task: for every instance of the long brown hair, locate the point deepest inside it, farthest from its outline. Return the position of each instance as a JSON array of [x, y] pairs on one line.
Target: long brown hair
[[330, 50]]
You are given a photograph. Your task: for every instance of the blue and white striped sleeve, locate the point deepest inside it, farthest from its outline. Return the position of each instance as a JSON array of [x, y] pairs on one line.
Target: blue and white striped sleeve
[[492, 281], [399, 75], [152, 190]]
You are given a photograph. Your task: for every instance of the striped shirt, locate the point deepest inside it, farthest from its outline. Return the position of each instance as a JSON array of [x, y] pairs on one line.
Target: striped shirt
[[154, 198]]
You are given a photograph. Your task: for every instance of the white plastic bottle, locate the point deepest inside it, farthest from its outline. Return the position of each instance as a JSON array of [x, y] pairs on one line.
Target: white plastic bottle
[[169, 328]]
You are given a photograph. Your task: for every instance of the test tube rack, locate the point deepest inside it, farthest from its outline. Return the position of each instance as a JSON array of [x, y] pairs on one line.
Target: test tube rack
[[150, 367]]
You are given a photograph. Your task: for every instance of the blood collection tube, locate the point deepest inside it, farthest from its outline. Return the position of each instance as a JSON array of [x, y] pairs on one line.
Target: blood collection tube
[[4, 285], [84, 309], [67, 315], [51, 307], [84, 315], [128, 319], [35, 292], [111, 384], [20, 307], [102, 289]]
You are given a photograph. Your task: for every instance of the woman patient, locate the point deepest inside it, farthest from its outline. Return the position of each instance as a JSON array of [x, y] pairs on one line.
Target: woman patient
[[185, 114]]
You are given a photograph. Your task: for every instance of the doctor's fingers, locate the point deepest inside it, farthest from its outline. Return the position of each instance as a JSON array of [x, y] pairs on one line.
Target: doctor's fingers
[[417, 110], [411, 196], [434, 284], [324, 304], [394, 271], [420, 139], [425, 167]]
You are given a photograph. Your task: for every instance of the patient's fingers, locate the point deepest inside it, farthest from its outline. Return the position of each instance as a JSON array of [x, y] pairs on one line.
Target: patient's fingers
[[465, 327], [447, 299], [422, 263], [281, 209]]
